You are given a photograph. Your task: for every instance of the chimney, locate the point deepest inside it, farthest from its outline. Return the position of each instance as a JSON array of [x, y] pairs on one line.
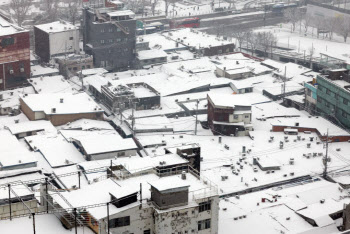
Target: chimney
[[61, 100], [183, 175]]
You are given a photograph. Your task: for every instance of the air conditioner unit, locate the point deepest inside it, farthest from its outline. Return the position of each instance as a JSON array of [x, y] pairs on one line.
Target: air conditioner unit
[[21, 69], [11, 71]]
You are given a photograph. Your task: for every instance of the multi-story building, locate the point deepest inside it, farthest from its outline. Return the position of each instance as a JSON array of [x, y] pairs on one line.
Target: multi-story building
[[229, 114], [311, 96], [148, 201], [74, 64], [333, 97], [55, 39], [14, 55], [110, 36]]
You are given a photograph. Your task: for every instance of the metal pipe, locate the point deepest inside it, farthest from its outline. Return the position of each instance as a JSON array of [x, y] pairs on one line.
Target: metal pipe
[[9, 187]]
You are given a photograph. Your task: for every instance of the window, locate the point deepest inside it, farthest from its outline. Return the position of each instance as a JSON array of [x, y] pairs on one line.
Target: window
[[110, 30], [235, 116], [119, 222], [127, 29], [71, 38], [345, 101], [103, 64], [120, 154], [246, 116], [219, 51], [203, 206], [328, 91], [344, 114], [102, 30], [147, 231], [110, 40], [102, 41], [203, 224]]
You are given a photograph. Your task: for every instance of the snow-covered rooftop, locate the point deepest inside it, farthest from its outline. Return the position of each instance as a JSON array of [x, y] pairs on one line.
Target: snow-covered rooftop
[[30, 126], [226, 100], [51, 84], [64, 103], [151, 54], [56, 27]]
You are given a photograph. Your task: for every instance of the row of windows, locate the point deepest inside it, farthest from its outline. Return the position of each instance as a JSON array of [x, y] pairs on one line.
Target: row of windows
[[332, 107], [119, 222], [113, 40], [203, 224], [337, 97], [103, 30]]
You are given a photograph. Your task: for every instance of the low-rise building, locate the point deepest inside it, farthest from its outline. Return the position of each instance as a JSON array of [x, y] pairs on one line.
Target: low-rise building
[[55, 39], [311, 96], [229, 114], [140, 96], [74, 64], [150, 57], [60, 108], [202, 43]]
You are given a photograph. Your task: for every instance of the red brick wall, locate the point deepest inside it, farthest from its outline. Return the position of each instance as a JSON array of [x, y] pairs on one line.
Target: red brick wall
[[13, 57]]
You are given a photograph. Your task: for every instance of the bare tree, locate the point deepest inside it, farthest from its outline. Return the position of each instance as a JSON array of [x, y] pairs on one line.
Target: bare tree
[[330, 25], [266, 41], [306, 21], [343, 27], [153, 4], [253, 42], [319, 23], [169, 3], [240, 34], [20, 10], [51, 7], [73, 10], [292, 15]]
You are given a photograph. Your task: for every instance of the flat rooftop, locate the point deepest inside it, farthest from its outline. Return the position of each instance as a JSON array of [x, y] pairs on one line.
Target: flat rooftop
[[56, 27]]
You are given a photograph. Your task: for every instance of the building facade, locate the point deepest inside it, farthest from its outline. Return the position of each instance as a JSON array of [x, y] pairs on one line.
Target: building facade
[[110, 36], [227, 118], [333, 98], [14, 56], [56, 39]]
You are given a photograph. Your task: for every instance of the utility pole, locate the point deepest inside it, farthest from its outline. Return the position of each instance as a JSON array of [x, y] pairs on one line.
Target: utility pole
[[195, 130], [133, 117], [33, 214], [325, 162], [75, 220], [9, 188], [107, 217]]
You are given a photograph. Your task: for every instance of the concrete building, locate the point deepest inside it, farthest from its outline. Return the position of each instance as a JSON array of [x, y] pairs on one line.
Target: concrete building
[[74, 64], [125, 96], [149, 203], [19, 195], [229, 115], [56, 39], [110, 36], [60, 108], [333, 97], [14, 55], [202, 43], [150, 57], [311, 96]]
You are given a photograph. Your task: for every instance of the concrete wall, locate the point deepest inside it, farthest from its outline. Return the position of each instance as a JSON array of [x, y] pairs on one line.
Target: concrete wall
[[110, 155], [169, 199], [60, 42], [18, 208]]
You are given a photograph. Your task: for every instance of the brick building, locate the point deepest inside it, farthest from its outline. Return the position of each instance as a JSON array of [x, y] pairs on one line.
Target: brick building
[[14, 55], [60, 108], [229, 115]]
